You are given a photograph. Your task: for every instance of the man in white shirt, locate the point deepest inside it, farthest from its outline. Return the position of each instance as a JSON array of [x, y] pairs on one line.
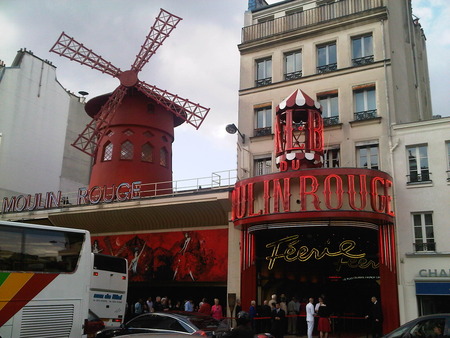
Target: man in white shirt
[[310, 317]]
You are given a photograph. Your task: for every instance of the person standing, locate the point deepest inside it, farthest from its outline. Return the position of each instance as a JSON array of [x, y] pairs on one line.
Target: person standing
[[265, 313], [324, 326], [278, 316], [205, 308], [189, 306], [216, 310], [138, 308], [252, 313], [292, 308], [310, 312], [376, 318]]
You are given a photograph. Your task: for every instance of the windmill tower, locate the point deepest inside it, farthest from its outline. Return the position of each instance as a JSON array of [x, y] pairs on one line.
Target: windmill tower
[[132, 129]]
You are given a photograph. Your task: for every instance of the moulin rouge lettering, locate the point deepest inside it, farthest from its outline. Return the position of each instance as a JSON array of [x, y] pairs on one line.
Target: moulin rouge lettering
[[94, 195], [288, 250], [315, 193]]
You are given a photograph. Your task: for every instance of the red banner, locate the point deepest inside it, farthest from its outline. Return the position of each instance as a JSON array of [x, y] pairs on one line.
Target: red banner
[[192, 256]]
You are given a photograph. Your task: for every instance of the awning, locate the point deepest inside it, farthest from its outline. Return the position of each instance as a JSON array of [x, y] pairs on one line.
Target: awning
[[433, 288]]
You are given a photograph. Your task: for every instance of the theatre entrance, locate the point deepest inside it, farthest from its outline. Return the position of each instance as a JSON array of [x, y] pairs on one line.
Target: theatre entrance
[[339, 263]]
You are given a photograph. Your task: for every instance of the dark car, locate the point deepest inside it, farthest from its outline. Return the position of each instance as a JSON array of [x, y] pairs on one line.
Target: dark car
[[169, 323], [437, 325]]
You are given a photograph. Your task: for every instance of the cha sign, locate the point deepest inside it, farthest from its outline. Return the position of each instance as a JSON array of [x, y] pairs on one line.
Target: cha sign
[[338, 193], [94, 195]]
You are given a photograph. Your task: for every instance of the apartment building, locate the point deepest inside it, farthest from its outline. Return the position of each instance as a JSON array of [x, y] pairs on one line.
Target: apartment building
[[365, 62]]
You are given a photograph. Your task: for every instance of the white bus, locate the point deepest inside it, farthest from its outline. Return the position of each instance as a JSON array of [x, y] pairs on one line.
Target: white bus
[[108, 290], [44, 280]]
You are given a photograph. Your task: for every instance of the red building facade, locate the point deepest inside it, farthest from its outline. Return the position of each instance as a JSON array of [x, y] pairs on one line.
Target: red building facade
[[310, 231]]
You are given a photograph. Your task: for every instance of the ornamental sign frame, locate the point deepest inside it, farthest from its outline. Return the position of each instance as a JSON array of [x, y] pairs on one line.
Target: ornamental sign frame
[[315, 194]]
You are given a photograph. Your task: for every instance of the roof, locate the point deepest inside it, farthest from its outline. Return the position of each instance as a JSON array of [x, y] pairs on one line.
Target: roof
[[298, 100]]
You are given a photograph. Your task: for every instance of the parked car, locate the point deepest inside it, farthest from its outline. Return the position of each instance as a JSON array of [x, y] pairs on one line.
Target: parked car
[[93, 324], [168, 323], [436, 325]]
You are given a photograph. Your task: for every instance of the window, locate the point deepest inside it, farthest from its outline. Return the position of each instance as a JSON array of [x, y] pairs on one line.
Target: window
[[326, 58], [418, 163], [147, 153], [367, 156], [423, 232], [163, 157], [293, 65], [362, 50], [365, 103], [126, 151], [330, 108], [107, 151], [331, 158], [263, 166], [263, 117], [263, 72]]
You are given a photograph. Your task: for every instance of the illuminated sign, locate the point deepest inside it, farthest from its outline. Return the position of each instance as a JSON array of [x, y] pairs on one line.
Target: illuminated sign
[[315, 190], [94, 195], [290, 250]]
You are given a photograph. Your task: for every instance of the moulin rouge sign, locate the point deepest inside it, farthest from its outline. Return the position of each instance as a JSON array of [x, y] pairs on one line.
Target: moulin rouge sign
[[94, 195], [317, 193]]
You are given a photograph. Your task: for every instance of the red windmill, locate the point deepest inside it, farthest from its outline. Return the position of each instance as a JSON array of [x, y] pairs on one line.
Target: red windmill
[[131, 134]]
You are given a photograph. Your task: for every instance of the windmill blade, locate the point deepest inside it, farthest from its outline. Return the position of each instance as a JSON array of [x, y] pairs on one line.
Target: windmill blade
[[163, 26], [67, 46], [88, 140], [191, 112]]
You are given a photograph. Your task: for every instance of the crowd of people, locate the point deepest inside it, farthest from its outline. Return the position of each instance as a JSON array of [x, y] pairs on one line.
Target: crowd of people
[[160, 304], [276, 315]]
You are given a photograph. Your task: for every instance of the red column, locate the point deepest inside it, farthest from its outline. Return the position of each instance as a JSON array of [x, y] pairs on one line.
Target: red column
[[248, 270], [388, 277]]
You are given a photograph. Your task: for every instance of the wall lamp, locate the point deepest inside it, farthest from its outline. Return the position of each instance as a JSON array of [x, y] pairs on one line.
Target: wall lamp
[[232, 129]]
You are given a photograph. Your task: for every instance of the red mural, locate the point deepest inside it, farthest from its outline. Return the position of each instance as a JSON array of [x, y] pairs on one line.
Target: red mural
[[189, 256]]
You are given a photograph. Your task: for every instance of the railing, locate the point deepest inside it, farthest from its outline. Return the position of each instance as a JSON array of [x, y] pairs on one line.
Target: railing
[[421, 247], [307, 18], [217, 180], [263, 131], [365, 115], [330, 121], [415, 177], [263, 82], [365, 60], [293, 75], [331, 67]]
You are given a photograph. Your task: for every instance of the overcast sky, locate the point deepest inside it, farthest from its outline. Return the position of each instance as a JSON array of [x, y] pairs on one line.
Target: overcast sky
[[199, 61]]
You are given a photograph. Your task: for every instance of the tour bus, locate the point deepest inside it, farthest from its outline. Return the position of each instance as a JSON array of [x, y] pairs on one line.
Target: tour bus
[[44, 280], [108, 290]]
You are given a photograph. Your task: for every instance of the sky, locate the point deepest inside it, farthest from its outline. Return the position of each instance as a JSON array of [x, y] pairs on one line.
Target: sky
[[199, 60]]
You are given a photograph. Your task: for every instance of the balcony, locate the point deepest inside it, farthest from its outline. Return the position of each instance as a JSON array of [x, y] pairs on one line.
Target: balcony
[[307, 18], [330, 121], [362, 61], [365, 115], [423, 247], [263, 82], [263, 131], [331, 67], [293, 75], [419, 177]]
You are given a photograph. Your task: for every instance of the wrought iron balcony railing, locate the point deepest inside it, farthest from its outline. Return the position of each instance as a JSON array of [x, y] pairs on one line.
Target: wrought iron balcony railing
[[421, 247], [263, 131], [263, 82], [365, 60], [307, 18], [331, 67], [330, 121], [293, 75], [365, 115], [423, 176]]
